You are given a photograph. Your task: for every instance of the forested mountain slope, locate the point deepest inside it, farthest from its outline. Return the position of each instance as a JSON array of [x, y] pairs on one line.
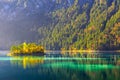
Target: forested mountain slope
[[85, 24], [61, 24]]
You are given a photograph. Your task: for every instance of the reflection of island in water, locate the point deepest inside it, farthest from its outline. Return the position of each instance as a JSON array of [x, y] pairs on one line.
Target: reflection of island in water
[[72, 67], [77, 61], [27, 61]]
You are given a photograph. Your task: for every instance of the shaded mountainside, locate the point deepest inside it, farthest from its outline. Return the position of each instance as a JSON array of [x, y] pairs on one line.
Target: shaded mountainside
[[86, 24], [62, 24]]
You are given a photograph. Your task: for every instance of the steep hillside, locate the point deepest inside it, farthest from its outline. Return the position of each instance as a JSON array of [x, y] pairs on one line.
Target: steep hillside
[[86, 24], [61, 24]]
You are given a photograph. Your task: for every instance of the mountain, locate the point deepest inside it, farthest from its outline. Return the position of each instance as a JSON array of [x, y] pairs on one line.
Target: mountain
[[85, 25], [61, 24], [20, 19]]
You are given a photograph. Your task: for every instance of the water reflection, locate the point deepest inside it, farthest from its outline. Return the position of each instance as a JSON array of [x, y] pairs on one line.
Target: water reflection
[[98, 66], [57, 66], [26, 61], [76, 61]]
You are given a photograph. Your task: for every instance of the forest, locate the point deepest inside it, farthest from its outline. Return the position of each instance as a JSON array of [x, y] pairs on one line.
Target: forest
[[84, 25], [61, 24]]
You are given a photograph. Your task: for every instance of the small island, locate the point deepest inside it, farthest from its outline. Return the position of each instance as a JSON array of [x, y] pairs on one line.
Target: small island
[[26, 49]]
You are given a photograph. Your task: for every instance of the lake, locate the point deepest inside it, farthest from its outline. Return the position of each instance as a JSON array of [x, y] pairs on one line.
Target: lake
[[57, 66]]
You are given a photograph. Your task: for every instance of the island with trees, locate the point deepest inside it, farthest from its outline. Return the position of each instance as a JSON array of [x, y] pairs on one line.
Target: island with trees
[[26, 49]]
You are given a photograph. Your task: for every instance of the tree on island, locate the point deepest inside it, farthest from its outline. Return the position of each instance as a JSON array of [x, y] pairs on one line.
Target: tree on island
[[26, 48]]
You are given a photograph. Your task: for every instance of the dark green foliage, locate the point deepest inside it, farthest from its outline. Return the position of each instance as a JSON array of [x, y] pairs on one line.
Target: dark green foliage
[[93, 25]]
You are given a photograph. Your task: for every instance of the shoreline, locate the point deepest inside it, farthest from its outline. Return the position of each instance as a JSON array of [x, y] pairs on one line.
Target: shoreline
[[75, 51], [82, 51]]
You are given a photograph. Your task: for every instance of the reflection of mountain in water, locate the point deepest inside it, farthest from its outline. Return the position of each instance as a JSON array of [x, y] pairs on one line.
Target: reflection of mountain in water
[[95, 61], [72, 67]]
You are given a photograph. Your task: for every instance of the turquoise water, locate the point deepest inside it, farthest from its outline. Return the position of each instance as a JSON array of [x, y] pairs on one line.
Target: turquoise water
[[57, 66]]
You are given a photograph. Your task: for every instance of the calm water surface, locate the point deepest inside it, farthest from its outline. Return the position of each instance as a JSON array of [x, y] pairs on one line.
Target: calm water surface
[[54, 66]]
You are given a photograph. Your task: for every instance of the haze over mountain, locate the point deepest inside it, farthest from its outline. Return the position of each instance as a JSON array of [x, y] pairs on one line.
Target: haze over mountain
[[19, 19], [56, 24]]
